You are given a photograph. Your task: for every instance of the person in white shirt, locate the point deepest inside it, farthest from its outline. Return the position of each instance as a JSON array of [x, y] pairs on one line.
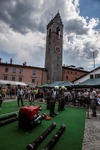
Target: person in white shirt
[[20, 93], [93, 96], [86, 98], [52, 102]]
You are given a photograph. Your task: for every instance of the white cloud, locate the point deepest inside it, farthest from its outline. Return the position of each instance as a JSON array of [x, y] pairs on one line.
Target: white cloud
[[23, 31], [25, 47]]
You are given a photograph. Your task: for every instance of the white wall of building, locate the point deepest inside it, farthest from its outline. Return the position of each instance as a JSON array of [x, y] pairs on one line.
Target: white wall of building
[[97, 71]]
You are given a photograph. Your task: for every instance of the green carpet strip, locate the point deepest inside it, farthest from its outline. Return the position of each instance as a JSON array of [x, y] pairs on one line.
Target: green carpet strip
[[14, 138]]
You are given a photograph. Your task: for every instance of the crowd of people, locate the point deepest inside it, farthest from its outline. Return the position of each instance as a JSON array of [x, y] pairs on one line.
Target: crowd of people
[[20, 93], [82, 98], [63, 96]]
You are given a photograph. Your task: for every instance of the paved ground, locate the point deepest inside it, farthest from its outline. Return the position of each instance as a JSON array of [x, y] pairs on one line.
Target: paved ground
[[92, 132]]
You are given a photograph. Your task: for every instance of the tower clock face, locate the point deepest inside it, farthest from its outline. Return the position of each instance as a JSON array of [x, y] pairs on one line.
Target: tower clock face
[[57, 49]]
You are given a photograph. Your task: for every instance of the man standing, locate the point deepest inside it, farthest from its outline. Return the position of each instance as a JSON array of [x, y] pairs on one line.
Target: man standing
[[48, 97], [86, 98], [52, 102], [93, 96], [20, 93]]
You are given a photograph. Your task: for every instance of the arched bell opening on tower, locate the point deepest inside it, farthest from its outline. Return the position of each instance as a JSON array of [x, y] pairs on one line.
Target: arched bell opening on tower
[[49, 32], [58, 32]]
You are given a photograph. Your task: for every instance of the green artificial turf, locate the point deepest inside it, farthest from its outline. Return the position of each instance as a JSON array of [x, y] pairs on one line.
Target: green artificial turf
[[13, 138]]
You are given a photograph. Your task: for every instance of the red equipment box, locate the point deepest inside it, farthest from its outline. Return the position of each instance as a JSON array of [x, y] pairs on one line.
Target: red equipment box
[[29, 111]]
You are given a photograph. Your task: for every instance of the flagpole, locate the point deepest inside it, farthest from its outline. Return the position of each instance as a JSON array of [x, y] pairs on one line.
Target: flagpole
[[94, 63]]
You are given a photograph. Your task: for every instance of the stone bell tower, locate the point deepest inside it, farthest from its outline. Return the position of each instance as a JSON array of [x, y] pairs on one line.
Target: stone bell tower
[[54, 49]]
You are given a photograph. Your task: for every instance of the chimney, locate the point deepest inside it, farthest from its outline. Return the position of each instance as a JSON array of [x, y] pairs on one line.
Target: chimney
[[11, 61], [0, 60], [24, 64]]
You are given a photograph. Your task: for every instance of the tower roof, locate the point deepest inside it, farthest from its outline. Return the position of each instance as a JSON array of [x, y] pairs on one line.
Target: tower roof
[[57, 16]]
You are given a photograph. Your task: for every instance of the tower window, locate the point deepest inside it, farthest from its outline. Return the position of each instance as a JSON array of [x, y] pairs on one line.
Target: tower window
[[57, 30], [49, 31], [57, 66]]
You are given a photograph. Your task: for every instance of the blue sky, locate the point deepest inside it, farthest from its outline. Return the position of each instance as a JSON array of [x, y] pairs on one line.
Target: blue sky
[[23, 31], [90, 8]]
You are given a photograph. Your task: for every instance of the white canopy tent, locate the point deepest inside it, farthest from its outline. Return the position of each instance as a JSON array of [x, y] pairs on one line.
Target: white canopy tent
[[5, 82]]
